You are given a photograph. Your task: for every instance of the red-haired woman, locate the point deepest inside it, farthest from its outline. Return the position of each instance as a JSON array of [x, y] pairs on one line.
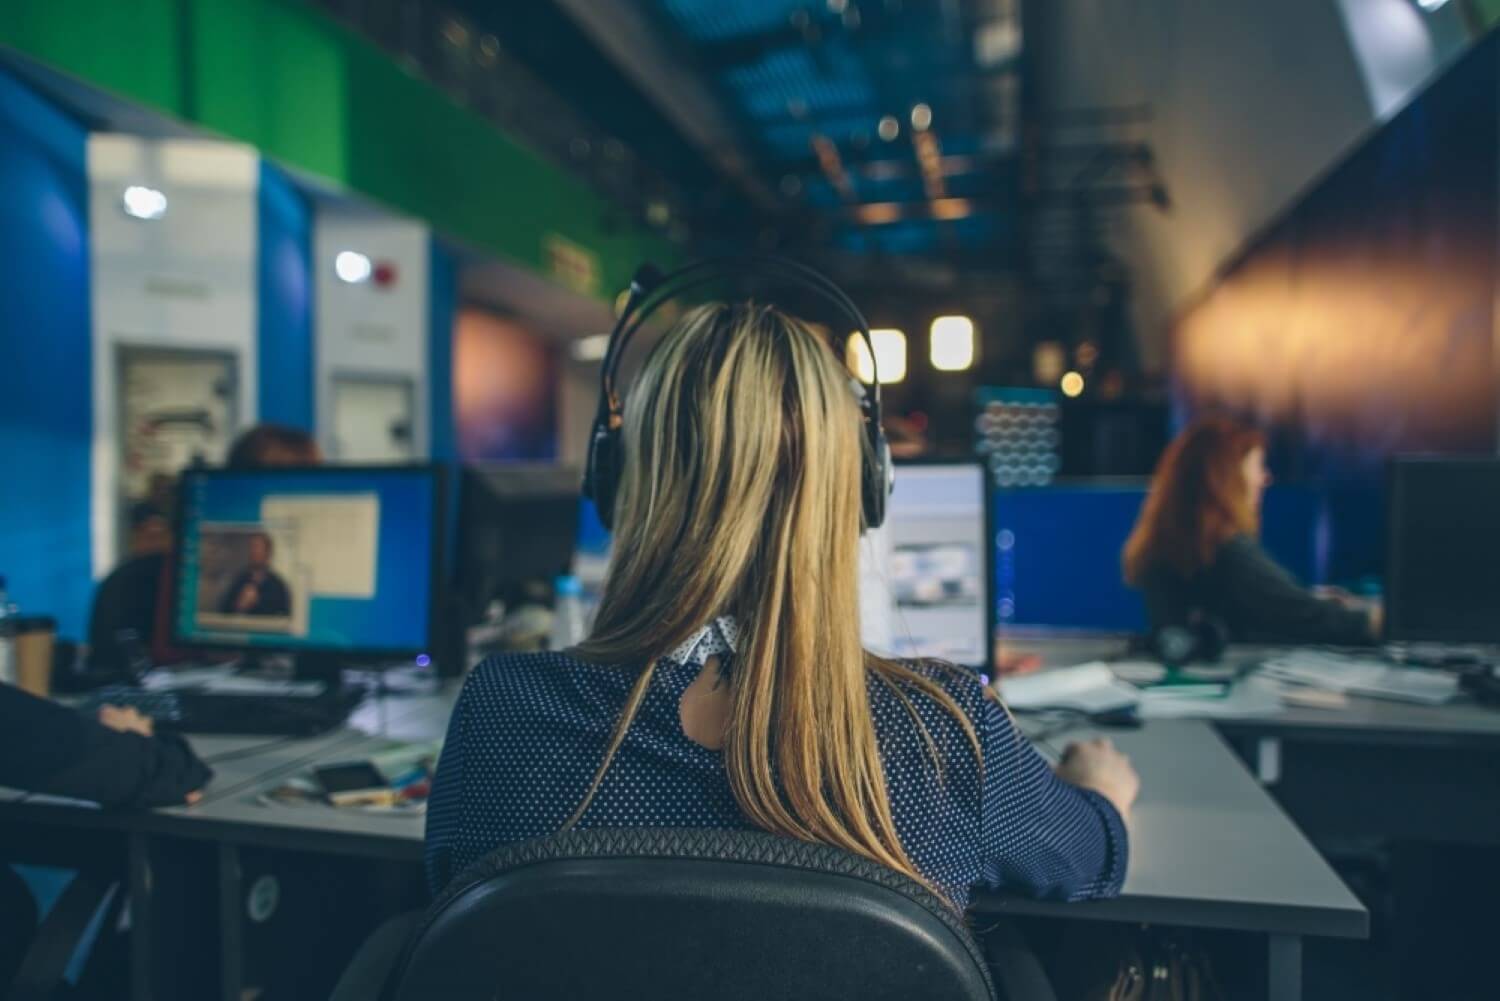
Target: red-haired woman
[[1194, 553]]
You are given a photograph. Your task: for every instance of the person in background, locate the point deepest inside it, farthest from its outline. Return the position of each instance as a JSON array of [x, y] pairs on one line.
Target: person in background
[[150, 529], [1195, 556], [257, 589], [134, 598], [273, 446], [724, 684], [115, 760]]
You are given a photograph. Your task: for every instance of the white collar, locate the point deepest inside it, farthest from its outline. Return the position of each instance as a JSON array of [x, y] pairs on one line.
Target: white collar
[[717, 637]]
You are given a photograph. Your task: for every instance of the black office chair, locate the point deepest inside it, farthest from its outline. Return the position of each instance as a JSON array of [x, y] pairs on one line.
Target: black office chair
[[674, 914]]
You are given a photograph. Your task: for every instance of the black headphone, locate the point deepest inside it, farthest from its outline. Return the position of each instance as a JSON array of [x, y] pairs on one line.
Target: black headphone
[[1203, 639], [649, 289]]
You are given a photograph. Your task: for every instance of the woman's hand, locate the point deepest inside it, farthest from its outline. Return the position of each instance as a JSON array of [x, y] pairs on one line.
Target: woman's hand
[[1097, 765], [126, 720]]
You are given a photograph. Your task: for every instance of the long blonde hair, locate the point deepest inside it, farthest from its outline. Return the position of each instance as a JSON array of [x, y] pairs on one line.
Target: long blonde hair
[[740, 495]]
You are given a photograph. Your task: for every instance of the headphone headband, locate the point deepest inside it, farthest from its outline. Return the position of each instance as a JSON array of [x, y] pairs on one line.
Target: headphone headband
[[649, 290]]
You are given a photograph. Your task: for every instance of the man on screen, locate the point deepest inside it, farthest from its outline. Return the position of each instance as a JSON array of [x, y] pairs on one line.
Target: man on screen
[[258, 590]]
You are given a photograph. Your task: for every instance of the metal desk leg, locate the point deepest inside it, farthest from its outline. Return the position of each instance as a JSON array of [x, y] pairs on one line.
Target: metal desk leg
[[231, 930], [1268, 760], [141, 910], [1284, 968]]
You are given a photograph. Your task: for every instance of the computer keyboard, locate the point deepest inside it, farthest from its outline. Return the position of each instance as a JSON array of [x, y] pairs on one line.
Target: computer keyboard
[[191, 711], [163, 707], [1362, 676]]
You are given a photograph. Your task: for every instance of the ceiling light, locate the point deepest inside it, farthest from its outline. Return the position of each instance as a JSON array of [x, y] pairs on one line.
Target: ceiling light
[[951, 208], [1432, 5], [878, 213], [1071, 384], [889, 128], [141, 202], [890, 356], [590, 349], [353, 267], [921, 117], [951, 343]]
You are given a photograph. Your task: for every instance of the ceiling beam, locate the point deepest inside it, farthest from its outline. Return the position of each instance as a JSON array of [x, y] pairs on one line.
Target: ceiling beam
[[624, 35]]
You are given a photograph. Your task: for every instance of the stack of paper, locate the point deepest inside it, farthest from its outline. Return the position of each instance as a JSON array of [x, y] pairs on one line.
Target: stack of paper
[[1248, 697], [1086, 688], [1362, 676]]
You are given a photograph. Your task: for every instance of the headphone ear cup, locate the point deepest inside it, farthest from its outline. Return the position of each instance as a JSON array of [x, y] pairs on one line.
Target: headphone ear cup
[[1213, 638], [602, 478], [878, 478]]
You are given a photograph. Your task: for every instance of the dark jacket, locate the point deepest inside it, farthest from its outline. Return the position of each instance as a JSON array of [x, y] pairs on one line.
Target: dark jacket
[[1254, 597], [129, 598], [51, 749], [272, 596]]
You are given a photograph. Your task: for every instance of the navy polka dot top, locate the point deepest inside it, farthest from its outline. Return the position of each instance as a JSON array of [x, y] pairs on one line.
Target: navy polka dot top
[[529, 731]]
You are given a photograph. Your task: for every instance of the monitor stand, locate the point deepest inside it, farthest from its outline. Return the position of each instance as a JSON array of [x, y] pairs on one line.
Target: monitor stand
[[325, 667]]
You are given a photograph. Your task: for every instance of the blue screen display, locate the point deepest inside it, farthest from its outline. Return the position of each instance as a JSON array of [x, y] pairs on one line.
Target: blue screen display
[[1057, 557], [307, 559]]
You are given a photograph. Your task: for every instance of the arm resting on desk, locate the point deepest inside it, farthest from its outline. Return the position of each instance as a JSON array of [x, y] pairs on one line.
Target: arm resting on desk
[[1270, 604], [1040, 836], [50, 749]]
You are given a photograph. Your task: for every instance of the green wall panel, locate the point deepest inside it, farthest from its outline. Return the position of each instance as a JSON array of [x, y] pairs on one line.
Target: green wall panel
[[310, 94], [272, 76], [130, 47]]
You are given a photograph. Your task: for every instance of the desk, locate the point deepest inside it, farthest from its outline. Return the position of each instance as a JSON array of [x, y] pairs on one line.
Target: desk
[[1374, 767], [1461, 723], [1209, 848]]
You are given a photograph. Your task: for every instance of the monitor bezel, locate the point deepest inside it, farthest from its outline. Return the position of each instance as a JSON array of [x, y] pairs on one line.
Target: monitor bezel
[[1393, 630], [987, 492], [435, 472]]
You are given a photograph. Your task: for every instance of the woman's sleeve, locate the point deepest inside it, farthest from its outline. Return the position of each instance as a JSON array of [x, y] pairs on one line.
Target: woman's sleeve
[[51, 749], [1041, 836], [1272, 605], [445, 805]]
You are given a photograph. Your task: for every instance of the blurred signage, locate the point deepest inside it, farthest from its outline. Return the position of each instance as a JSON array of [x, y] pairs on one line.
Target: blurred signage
[[571, 265]]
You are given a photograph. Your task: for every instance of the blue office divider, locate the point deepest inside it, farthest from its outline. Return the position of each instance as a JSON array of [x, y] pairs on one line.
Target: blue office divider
[[46, 395], [285, 302]]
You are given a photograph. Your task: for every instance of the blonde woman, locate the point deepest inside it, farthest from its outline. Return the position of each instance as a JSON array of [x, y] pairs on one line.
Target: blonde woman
[[724, 684]]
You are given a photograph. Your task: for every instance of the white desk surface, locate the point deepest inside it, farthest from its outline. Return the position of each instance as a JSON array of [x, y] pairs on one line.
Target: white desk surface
[[1367, 719], [1209, 847]]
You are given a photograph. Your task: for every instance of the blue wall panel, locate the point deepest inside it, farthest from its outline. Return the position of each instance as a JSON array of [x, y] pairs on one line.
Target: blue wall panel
[[442, 307], [285, 302], [45, 379]]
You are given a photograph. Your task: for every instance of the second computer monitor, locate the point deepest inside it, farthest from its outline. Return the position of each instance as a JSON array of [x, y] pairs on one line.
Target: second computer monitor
[[335, 560], [1443, 551], [925, 575]]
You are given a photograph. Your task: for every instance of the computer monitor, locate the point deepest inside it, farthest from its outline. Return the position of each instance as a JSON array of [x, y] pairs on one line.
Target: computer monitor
[[1442, 581], [518, 525], [925, 575], [337, 561]]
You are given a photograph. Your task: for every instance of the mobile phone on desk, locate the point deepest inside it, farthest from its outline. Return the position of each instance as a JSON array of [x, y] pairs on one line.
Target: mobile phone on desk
[[357, 783]]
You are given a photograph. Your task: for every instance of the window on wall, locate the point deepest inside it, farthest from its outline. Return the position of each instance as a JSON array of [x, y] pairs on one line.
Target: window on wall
[[504, 390]]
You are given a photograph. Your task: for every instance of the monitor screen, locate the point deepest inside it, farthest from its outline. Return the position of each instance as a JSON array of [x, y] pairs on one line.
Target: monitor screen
[[925, 574], [326, 560], [1443, 551], [517, 530]]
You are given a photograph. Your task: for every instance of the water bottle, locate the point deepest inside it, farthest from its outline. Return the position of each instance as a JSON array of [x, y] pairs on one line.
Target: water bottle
[[567, 612], [8, 619]]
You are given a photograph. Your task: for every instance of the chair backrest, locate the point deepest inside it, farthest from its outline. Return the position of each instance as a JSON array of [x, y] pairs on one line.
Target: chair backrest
[[678, 914]]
